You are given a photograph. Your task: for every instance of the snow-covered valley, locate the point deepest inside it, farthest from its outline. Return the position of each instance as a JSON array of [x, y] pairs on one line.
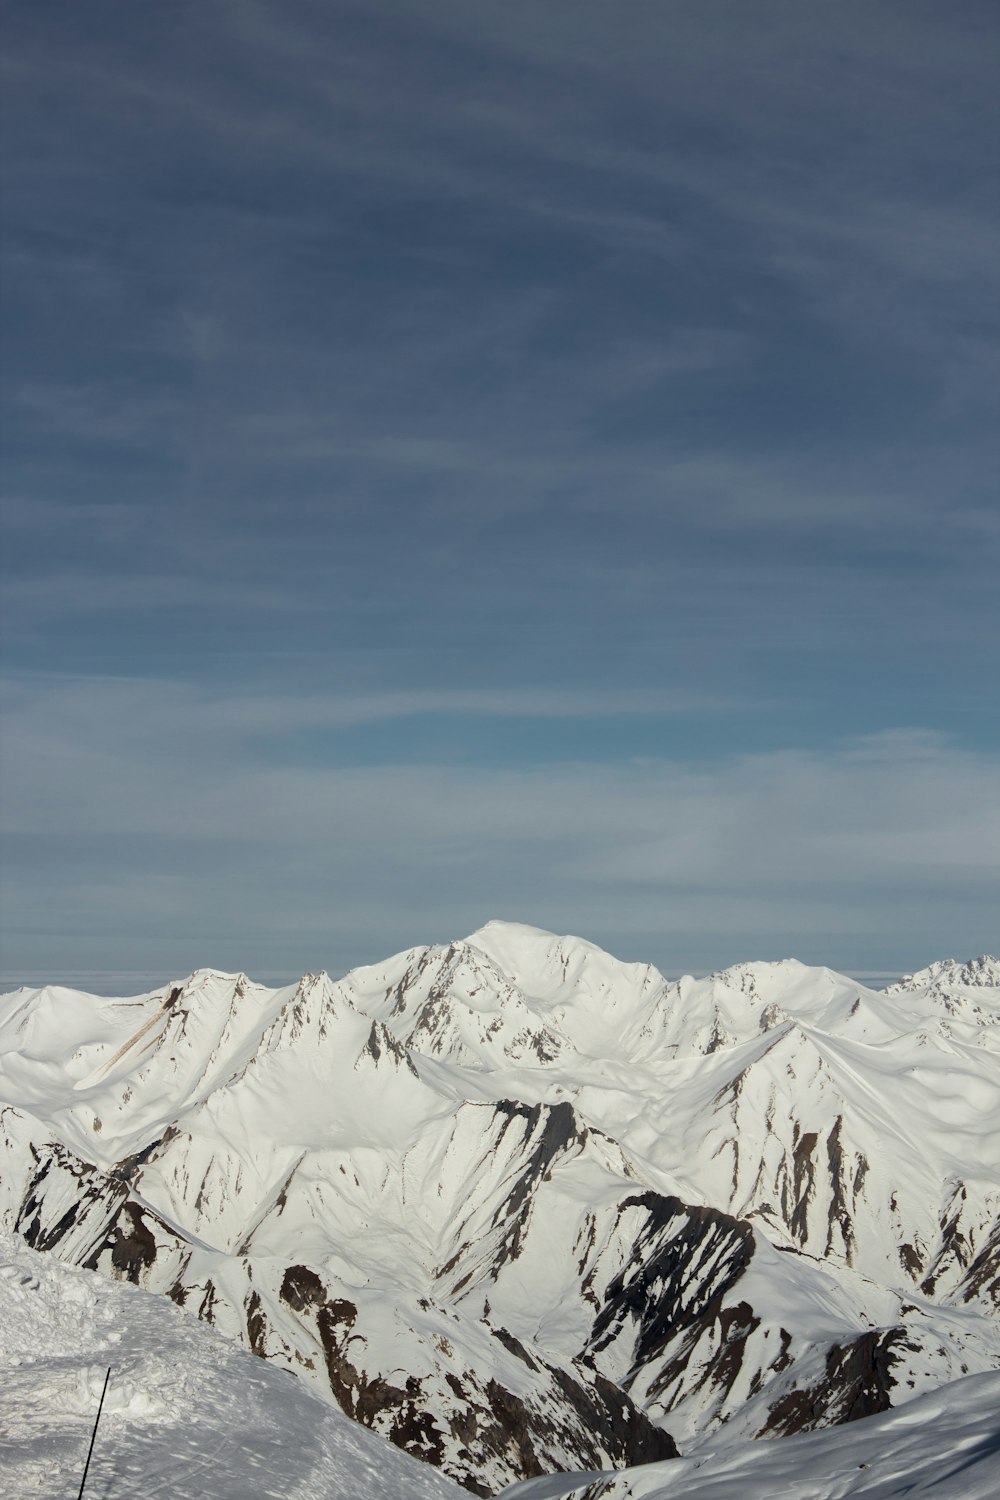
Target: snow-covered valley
[[522, 1208]]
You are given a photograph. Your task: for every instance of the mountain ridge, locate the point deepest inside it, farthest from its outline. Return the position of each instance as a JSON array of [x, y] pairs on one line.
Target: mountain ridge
[[521, 1206]]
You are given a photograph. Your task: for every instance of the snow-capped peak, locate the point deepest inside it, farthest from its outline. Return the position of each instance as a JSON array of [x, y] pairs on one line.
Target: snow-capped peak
[[950, 973]]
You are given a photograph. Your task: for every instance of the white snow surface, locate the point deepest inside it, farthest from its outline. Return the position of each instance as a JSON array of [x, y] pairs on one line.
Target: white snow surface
[[188, 1415]]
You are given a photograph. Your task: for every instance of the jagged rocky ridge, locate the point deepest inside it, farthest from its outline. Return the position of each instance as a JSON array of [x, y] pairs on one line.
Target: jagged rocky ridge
[[521, 1207]]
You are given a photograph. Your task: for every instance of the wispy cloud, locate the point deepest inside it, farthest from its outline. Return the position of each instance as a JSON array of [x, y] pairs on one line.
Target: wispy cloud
[[524, 451], [883, 845], [92, 413], [139, 714]]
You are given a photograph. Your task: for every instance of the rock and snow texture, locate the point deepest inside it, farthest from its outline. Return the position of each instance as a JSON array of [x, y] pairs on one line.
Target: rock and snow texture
[[945, 1444], [187, 1414], [520, 1207]]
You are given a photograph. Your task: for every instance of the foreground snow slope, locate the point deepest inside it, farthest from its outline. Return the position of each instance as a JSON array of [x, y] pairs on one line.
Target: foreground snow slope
[[521, 1207], [187, 1414], [945, 1446]]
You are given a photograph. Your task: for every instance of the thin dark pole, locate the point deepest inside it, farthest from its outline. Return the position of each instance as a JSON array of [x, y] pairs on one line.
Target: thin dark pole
[[93, 1435]]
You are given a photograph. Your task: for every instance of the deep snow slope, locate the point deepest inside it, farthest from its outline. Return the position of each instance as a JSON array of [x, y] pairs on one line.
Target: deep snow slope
[[521, 1207], [187, 1414], [945, 1444]]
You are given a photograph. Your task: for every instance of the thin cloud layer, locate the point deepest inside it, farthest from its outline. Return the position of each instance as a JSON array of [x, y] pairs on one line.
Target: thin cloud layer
[[567, 430], [163, 824]]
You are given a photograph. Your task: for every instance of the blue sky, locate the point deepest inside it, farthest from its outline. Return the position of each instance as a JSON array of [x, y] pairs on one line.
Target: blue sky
[[499, 460]]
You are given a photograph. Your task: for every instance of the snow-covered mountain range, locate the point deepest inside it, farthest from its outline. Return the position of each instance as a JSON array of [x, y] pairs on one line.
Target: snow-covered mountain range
[[521, 1207]]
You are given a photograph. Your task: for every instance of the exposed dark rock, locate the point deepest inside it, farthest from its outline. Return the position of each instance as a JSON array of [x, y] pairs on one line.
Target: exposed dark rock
[[655, 1291], [910, 1261], [983, 1279], [719, 1337], [840, 1213], [134, 1242], [95, 1201], [128, 1164], [552, 1131], [857, 1383], [600, 1421], [359, 1397], [256, 1324], [134, 1247], [514, 1346], [302, 1288], [804, 1184], [416, 1431], [382, 1043], [626, 1431]]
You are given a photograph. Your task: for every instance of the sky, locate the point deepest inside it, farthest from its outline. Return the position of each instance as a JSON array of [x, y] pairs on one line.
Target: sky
[[513, 460]]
